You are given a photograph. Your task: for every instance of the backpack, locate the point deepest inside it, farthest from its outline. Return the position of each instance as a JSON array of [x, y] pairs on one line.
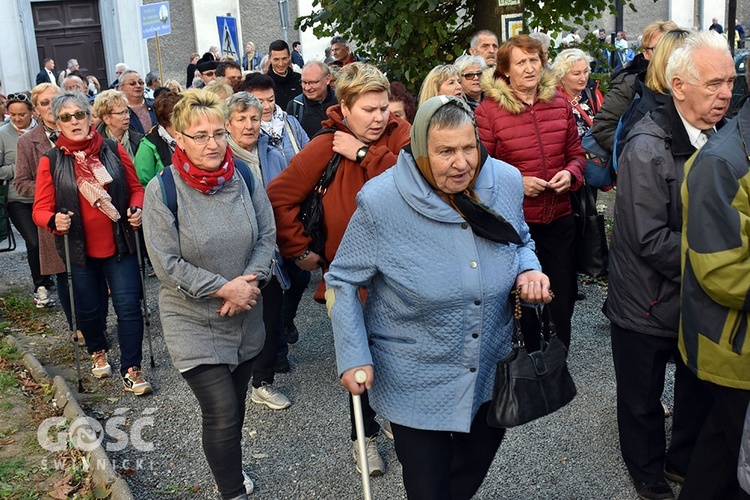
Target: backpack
[[599, 172], [6, 232], [298, 108], [169, 197]]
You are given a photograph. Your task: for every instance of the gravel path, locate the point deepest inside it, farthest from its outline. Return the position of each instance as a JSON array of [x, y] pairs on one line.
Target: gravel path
[[304, 451]]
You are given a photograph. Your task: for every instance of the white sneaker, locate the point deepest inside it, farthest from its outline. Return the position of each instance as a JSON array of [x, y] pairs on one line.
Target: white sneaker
[[267, 395], [249, 485], [42, 298], [99, 365], [375, 463]]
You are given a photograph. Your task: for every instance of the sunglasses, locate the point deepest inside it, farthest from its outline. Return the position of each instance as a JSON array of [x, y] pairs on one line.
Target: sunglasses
[[134, 83], [78, 115], [43, 103], [472, 76], [18, 97]]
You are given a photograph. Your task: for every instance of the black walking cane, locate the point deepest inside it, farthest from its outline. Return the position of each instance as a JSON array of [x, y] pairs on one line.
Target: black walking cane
[[144, 304], [74, 335]]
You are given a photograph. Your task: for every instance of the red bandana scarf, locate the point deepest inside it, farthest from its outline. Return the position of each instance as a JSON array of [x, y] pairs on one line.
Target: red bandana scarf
[[203, 180]]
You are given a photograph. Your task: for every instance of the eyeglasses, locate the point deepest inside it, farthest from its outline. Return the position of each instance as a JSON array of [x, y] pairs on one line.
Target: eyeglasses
[[134, 83], [121, 113], [78, 115], [472, 76], [43, 103], [208, 73], [19, 97], [202, 139], [304, 83]]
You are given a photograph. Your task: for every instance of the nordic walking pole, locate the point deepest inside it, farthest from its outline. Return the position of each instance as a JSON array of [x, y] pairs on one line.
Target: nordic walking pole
[[74, 336], [144, 304], [359, 424]]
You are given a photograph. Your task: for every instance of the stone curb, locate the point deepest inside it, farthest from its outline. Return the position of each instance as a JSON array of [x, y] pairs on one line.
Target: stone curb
[[101, 466]]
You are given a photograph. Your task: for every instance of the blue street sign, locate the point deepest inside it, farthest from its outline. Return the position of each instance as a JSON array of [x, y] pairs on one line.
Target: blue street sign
[[155, 19], [228, 36]]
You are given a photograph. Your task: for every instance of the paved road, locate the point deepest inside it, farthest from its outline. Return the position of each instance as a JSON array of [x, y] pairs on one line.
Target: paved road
[[304, 451]]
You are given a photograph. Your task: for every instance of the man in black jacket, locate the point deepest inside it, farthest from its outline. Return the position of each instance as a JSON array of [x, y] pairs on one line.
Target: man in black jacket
[[46, 75], [643, 301], [309, 108], [287, 82]]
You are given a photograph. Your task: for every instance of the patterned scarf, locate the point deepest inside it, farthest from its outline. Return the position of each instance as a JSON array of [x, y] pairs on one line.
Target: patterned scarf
[[22, 131], [205, 181], [275, 128], [91, 175]]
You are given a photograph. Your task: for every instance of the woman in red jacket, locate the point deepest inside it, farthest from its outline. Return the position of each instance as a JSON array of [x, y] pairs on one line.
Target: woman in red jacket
[[368, 139], [525, 121], [96, 182]]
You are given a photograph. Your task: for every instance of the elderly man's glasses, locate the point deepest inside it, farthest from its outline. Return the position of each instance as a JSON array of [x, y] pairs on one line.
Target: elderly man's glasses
[[140, 83], [314, 82], [202, 139], [78, 115], [472, 76]]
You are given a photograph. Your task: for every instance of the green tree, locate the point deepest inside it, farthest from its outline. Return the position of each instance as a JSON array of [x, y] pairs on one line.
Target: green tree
[[406, 38]]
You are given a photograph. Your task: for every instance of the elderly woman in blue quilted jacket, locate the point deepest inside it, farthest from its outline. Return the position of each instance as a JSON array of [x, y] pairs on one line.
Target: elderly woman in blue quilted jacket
[[439, 242]]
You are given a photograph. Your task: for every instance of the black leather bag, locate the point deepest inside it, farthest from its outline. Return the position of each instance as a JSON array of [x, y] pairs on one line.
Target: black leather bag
[[311, 210], [590, 244], [531, 385]]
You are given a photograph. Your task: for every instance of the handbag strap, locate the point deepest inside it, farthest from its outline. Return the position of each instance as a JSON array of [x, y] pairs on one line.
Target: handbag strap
[[328, 174], [542, 312]]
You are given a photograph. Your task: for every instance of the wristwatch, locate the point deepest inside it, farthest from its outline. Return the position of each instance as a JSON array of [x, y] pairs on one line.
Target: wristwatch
[[361, 152]]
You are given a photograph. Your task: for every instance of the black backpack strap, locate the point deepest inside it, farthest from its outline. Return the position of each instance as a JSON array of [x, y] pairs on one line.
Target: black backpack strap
[[169, 192], [327, 130]]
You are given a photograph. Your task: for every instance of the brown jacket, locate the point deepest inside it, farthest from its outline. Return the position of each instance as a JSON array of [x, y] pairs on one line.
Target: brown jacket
[[292, 186], [31, 147]]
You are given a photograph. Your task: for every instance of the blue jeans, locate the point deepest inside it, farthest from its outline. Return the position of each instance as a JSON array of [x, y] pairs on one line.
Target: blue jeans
[[122, 275]]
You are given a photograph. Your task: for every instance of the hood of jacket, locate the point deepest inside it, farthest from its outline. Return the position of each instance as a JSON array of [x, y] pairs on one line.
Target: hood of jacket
[[497, 88]]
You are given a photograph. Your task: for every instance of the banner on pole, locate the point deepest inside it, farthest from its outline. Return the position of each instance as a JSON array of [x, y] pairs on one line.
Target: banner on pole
[[155, 20], [228, 36]]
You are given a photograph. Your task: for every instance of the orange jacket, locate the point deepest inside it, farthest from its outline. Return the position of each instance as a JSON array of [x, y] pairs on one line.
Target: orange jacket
[[292, 186]]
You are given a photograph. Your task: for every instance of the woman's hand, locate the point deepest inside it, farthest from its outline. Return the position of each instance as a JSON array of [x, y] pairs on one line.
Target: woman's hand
[[533, 186], [62, 222], [311, 262], [560, 183], [134, 217], [240, 294], [346, 145], [351, 385], [534, 286]]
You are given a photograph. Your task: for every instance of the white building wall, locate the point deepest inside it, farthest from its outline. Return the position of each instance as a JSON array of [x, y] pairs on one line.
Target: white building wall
[[313, 48], [15, 70], [206, 29]]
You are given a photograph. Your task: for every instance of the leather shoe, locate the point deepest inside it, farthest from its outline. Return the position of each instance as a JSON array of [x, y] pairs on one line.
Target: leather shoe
[[291, 333], [282, 365], [658, 490]]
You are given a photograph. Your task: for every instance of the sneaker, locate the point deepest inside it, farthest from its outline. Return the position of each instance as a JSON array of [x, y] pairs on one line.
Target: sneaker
[[99, 365], [249, 485], [135, 383], [282, 365], [375, 462], [386, 430], [42, 298], [267, 395]]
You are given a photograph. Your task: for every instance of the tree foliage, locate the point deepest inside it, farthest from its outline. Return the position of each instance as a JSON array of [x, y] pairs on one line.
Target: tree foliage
[[407, 38]]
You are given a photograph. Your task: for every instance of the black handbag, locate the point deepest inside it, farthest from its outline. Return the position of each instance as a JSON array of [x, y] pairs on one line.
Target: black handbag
[[6, 231], [590, 244], [529, 385], [311, 210]]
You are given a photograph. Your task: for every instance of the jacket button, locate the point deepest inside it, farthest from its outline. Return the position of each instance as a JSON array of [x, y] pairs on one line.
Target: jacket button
[[475, 335], [477, 302], [472, 370], [473, 264], [464, 225]]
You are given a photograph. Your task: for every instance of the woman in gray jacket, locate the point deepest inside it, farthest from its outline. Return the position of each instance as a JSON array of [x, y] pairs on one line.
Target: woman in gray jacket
[[211, 254]]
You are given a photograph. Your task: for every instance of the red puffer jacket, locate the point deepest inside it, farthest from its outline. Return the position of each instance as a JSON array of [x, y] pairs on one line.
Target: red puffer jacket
[[539, 140]]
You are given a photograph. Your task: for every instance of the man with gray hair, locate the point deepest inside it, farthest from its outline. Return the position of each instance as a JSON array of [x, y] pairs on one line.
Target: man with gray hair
[[470, 68], [120, 68], [644, 273], [309, 108], [715, 328], [142, 116], [341, 51], [72, 66], [485, 43], [152, 83], [73, 83]]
